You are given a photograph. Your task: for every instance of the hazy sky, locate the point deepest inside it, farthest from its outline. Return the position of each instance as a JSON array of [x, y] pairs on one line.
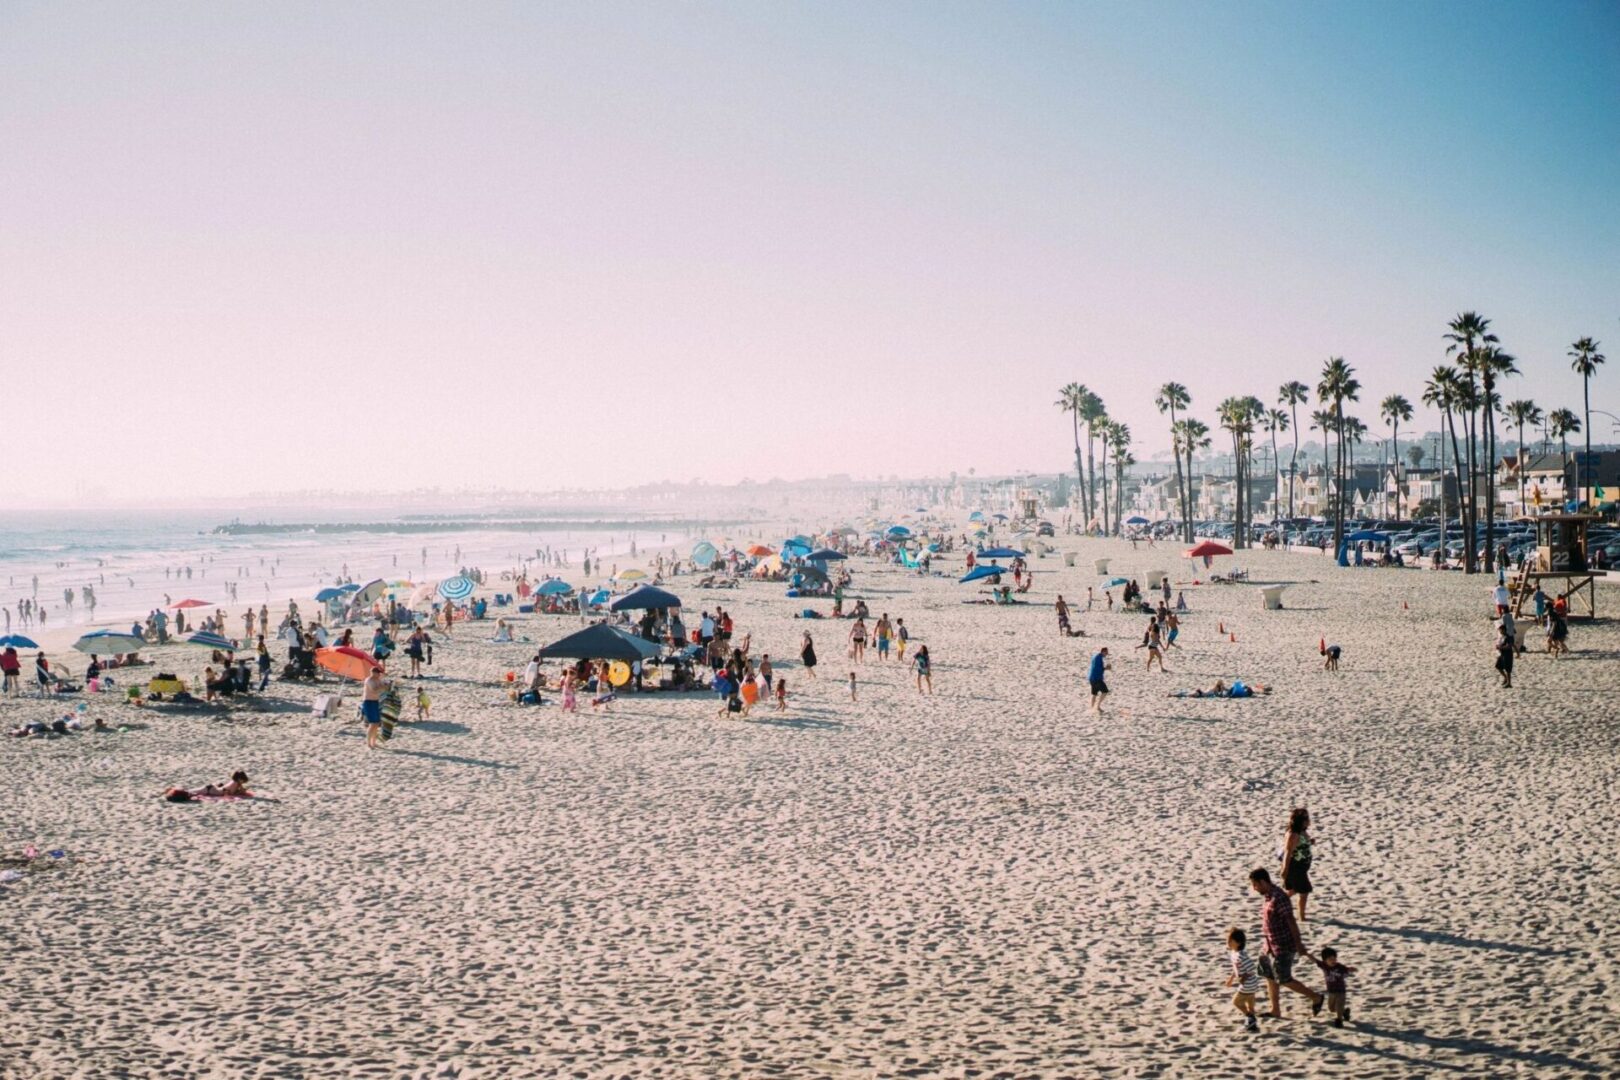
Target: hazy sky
[[336, 244]]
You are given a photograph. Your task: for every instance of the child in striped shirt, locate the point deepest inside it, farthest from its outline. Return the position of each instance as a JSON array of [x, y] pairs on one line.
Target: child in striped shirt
[[1243, 976]]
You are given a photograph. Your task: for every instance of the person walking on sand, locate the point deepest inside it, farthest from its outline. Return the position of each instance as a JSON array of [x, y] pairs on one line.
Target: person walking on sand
[[1243, 977], [807, 655], [1150, 642], [902, 638], [1095, 676], [925, 670], [1062, 616], [852, 686], [857, 641], [1296, 857], [1504, 654], [882, 633], [371, 706], [1282, 943]]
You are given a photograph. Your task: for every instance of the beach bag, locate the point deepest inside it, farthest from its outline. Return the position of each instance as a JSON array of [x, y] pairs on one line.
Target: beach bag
[[326, 705]]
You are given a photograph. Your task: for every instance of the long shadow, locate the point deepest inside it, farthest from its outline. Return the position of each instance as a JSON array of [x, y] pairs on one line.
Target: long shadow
[[800, 723], [451, 759], [1467, 1045], [1440, 937], [437, 727], [1318, 1043]]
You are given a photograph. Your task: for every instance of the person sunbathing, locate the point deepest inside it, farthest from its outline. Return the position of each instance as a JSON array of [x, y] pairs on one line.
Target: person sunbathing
[[236, 789]]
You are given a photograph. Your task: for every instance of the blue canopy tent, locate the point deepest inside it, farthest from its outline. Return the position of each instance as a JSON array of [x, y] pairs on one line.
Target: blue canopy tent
[[704, 554], [600, 642], [825, 555], [999, 553], [979, 573], [645, 596]]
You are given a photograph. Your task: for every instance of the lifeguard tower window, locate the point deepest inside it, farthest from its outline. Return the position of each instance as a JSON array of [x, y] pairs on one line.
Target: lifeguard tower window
[[1565, 547]]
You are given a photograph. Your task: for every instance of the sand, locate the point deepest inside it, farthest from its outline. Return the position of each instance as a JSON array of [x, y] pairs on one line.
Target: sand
[[986, 882]]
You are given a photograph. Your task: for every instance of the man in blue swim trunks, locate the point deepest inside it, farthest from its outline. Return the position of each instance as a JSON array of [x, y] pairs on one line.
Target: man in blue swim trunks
[[371, 707], [1099, 687]]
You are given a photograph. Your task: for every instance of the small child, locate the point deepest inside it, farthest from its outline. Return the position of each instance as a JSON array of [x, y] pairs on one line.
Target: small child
[[902, 635], [781, 695], [423, 703], [1333, 974], [1243, 976], [1332, 661], [852, 686]]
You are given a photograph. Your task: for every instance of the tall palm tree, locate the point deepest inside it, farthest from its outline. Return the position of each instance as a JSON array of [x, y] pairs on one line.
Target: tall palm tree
[[1563, 423], [1352, 431], [1105, 429], [1494, 364], [1322, 420], [1276, 420], [1191, 436], [1291, 394], [1070, 399], [1092, 413], [1119, 436], [1233, 417], [1445, 390], [1523, 412], [1338, 385], [1171, 397], [1395, 409], [1585, 358], [1468, 331]]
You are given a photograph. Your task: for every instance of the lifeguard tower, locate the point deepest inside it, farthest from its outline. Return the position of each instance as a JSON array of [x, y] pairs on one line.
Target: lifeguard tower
[[1029, 504], [1559, 557]]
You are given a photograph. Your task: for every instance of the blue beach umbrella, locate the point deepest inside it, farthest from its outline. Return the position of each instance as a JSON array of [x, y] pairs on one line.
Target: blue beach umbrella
[[825, 555], [100, 642], [554, 587], [978, 573], [456, 588], [1000, 553], [350, 587], [977, 515], [328, 594], [211, 641], [1136, 520], [646, 597], [18, 641], [1115, 582]]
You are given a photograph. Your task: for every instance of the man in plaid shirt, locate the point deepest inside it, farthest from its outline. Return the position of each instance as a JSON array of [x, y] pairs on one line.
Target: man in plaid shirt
[[1282, 942]]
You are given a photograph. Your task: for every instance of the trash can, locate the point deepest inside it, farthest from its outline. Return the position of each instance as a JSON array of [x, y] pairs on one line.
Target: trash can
[[1101, 566], [1156, 578], [1068, 558], [1271, 597]]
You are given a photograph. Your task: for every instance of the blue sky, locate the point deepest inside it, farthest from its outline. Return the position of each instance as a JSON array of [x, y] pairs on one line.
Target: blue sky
[[807, 238]]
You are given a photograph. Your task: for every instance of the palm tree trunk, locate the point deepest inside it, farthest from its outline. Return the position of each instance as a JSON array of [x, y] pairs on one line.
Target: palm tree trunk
[[1293, 460], [1586, 426], [1395, 437], [1457, 467], [1105, 490], [1091, 476], [1521, 463]]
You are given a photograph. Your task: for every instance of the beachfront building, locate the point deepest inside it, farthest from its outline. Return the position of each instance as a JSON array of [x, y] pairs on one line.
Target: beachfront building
[[1156, 499]]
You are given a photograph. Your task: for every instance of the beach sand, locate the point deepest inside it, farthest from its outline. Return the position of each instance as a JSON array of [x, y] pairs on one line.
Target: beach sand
[[989, 881]]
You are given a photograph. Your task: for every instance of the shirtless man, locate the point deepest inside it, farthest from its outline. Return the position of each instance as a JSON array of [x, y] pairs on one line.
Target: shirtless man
[[371, 707]]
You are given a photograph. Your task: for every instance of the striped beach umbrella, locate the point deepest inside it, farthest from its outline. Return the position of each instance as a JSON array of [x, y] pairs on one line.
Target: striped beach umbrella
[[207, 640], [456, 588], [105, 642]]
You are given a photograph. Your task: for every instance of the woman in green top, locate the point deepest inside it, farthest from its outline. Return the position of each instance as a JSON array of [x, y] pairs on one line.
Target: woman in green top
[[1296, 858]]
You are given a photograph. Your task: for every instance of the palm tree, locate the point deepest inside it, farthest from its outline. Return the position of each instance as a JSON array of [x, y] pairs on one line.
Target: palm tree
[[1105, 428], [1173, 396], [1352, 433], [1092, 414], [1233, 417], [1443, 391], [1394, 409], [1120, 443], [1191, 435], [1522, 412], [1070, 399], [1292, 394], [1276, 420], [1468, 331], [1585, 358], [1563, 423], [1338, 385], [1493, 365], [1322, 420]]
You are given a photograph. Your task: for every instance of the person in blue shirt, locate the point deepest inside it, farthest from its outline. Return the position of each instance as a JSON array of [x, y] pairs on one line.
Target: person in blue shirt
[[1099, 687]]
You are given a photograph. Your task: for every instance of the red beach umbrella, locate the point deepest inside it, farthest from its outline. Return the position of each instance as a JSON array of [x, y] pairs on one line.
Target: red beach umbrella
[[1206, 549], [347, 661], [182, 605]]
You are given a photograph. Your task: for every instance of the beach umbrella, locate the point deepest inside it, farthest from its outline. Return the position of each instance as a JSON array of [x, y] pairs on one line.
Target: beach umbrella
[[977, 515], [328, 594], [601, 642], [422, 594], [978, 573], [598, 598], [18, 641], [347, 661], [898, 532], [632, 575], [99, 642], [554, 587], [456, 588], [370, 591], [644, 597], [795, 548], [207, 640], [768, 565], [704, 554], [1136, 520], [760, 551], [349, 587], [825, 555], [1115, 582], [999, 553], [184, 605], [1001, 517], [1206, 549]]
